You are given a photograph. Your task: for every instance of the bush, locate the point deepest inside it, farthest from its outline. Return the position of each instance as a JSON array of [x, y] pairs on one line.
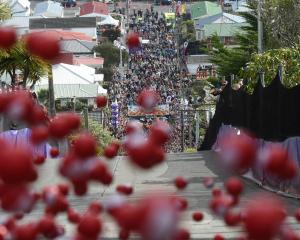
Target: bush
[[102, 135]]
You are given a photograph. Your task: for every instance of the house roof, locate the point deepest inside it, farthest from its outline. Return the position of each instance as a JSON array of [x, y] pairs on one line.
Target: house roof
[[76, 46], [223, 30], [17, 22], [219, 18], [205, 8], [71, 90], [48, 9], [94, 7], [61, 23], [88, 60], [68, 35], [23, 3]]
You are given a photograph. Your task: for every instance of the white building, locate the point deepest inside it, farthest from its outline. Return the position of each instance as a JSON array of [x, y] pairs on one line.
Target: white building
[[74, 81], [48, 9], [19, 8]]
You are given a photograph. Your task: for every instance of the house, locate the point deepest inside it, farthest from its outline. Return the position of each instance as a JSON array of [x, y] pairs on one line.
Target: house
[[86, 25], [225, 25], [94, 9], [201, 66], [48, 9], [74, 81], [19, 8], [235, 6], [204, 9], [20, 23]]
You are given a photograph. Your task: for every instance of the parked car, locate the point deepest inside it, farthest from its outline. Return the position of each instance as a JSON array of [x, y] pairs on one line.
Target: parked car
[[162, 2], [69, 3], [166, 2]]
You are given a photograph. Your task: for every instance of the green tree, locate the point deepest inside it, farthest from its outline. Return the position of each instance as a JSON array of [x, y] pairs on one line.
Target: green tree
[[282, 18], [188, 30], [112, 34], [232, 60], [268, 63], [111, 54], [18, 58], [5, 11]]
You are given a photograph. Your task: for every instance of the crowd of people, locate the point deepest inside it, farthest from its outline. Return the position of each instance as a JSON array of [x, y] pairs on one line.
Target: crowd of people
[[152, 66]]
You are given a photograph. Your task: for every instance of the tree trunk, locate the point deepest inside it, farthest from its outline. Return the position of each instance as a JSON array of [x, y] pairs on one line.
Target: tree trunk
[[51, 93], [25, 77]]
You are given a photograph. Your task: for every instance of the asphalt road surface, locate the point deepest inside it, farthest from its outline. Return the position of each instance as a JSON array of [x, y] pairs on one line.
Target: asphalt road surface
[[194, 167]]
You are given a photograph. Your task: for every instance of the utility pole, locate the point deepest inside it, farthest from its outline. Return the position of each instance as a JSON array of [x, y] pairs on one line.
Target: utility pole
[[127, 16], [259, 28]]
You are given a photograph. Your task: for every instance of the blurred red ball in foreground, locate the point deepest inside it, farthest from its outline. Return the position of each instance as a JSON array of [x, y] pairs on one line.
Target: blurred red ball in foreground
[[39, 134], [234, 186], [132, 40], [277, 161], [124, 189], [181, 183], [148, 100], [263, 217], [101, 101], [160, 132], [219, 237], [85, 145], [197, 216], [111, 150], [8, 37], [54, 152], [297, 214], [238, 151], [182, 234], [89, 226], [232, 218], [43, 44]]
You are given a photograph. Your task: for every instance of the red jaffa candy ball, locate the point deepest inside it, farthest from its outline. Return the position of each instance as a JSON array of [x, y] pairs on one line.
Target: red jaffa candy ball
[[182, 234], [197, 216], [8, 37], [39, 159], [90, 226], [148, 99], [39, 134], [234, 186], [25, 232], [238, 151], [54, 152], [216, 192], [180, 183], [263, 216], [297, 214], [160, 132], [124, 189], [46, 224], [73, 216], [95, 207], [101, 101], [232, 218], [132, 40], [124, 234], [219, 237], [111, 151], [85, 145], [43, 44]]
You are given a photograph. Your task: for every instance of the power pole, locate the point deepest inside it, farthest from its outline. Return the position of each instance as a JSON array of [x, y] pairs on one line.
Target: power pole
[[259, 28], [51, 92]]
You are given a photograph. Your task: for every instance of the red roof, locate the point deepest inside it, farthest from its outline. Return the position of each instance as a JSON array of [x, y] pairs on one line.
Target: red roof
[[94, 7], [67, 35], [63, 57], [86, 60]]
